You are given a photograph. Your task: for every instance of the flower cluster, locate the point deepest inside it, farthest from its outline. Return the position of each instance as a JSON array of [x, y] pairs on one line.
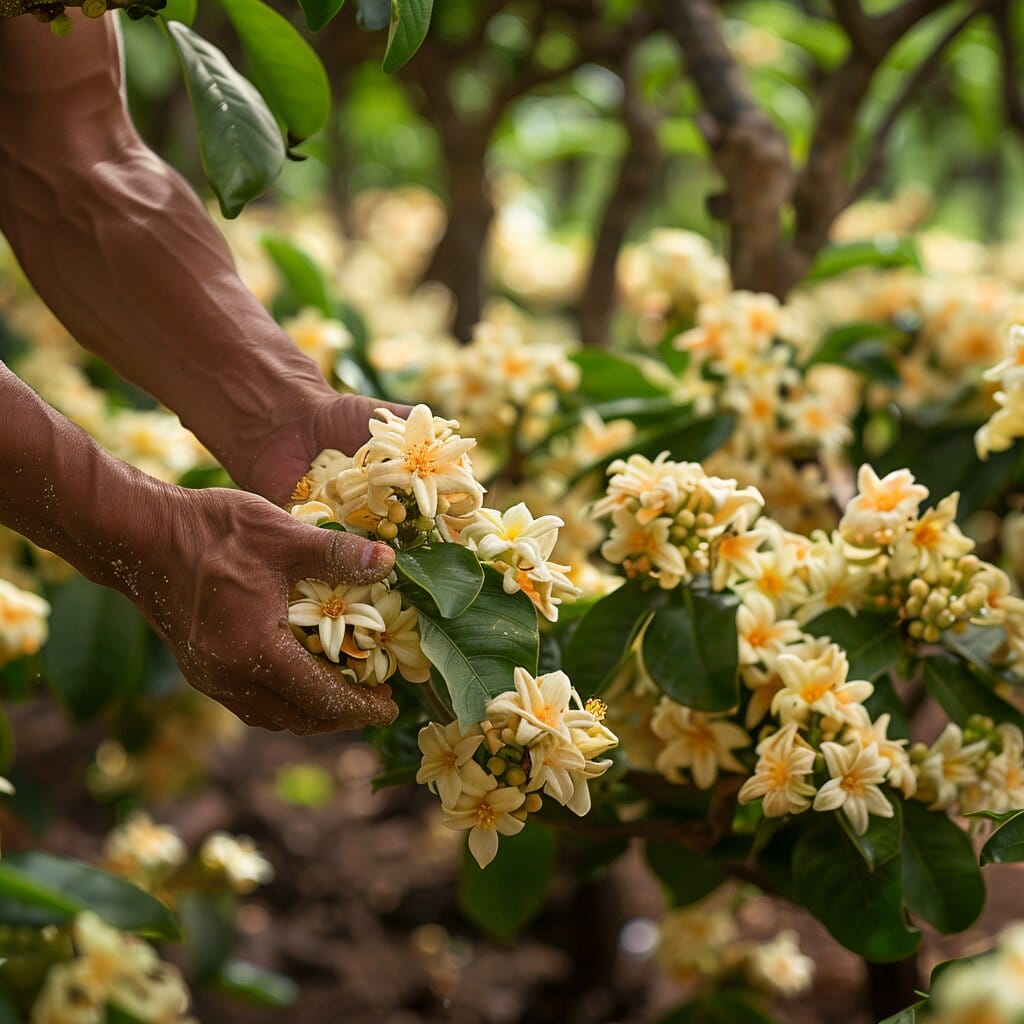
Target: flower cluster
[[23, 622], [1007, 422], [111, 968], [536, 739]]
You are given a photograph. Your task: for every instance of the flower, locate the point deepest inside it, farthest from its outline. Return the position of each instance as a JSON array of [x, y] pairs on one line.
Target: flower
[[779, 966], [312, 512], [880, 512], [331, 610], [445, 750], [397, 646], [537, 705], [237, 857], [485, 808], [701, 742], [762, 635], [23, 618], [856, 774], [139, 849], [645, 544], [950, 766], [784, 762]]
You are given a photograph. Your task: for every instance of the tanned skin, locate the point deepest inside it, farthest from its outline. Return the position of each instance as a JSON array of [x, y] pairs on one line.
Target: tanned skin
[[121, 250]]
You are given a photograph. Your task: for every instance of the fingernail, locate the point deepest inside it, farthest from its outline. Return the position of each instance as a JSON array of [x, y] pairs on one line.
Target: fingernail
[[377, 556]]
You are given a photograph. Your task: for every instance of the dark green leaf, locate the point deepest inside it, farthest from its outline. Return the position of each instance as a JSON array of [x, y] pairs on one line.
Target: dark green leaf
[[872, 642], [605, 377], [837, 342], [6, 742], [239, 141], [690, 649], [115, 1015], [999, 817], [961, 694], [409, 22], [7, 1012], [98, 651], [687, 876], [882, 840], [449, 573], [38, 887], [942, 883], [404, 776], [301, 274], [1006, 844], [208, 476], [605, 634], [907, 1016], [180, 10], [320, 12], [863, 909], [692, 441], [477, 652], [18, 677], [208, 921], [257, 985], [501, 898], [723, 1007], [284, 67], [880, 252]]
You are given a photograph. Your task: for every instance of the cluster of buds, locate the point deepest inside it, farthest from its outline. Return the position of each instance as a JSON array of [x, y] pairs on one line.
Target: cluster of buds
[[667, 517], [537, 739], [945, 597]]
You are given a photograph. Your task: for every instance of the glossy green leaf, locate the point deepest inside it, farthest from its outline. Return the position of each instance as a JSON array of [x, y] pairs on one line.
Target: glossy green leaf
[[302, 276], [1006, 844], [284, 67], [98, 651], [690, 649], [605, 377], [881, 842], [835, 343], [872, 642], [256, 985], [410, 20], [687, 876], [39, 888], [999, 817], [879, 252], [477, 652], [961, 694], [239, 141], [8, 1015], [320, 12], [604, 636], [942, 883], [863, 909], [180, 10], [208, 922], [503, 897], [449, 573]]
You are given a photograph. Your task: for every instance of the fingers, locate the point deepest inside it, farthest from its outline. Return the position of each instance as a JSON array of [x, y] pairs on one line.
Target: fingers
[[268, 711], [337, 557], [347, 420]]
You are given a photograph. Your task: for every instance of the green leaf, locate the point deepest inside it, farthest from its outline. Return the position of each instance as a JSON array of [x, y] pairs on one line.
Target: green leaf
[[449, 573], [40, 888], [1006, 844], [942, 883], [285, 67], [605, 377], [863, 909], [256, 985], [98, 651], [691, 441], [604, 636], [239, 141], [838, 342], [320, 12], [501, 898], [999, 817], [180, 10], [907, 1016], [478, 651], [206, 476], [729, 1006], [872, 642], [208, 921], [882, 840], [7, 1012], [879, 252], [301, 274], [373, 14], [409, 22], [690, 649], [961, 694], [686, 876]]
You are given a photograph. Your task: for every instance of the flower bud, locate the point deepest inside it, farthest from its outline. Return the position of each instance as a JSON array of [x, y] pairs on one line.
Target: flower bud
[[96, 9], [61, 26], [533, 803], [387, 530], [515, 776], [397, 512], [496, 766]]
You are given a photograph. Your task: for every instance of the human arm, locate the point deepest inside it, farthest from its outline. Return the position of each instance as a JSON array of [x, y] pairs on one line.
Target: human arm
[[211, 570], [121, 250]]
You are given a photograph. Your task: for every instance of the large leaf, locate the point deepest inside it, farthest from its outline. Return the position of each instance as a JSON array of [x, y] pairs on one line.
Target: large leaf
[[409, 22], [881, 842], [872, 642], [301, 274], [961, 694], [449, 573], [687, 876], [863, 909], [605, 634], [836, 343], [501, 898], [256, 985], [284, 67], [239, 141], [942, 883], [478, 651], [320, 12], [605, 377], [39, 888], [180, 10], [880, 252], [690, 649], [98, 651], [208, 921], [1006, 844]]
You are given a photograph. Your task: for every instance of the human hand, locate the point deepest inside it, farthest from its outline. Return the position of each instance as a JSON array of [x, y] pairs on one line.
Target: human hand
[[327, 420], [217, 592]]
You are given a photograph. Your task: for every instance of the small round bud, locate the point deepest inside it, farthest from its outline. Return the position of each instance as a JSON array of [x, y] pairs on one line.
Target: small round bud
[[424, 524], [508, 735], [918, 588], [61, 26], [497, 765], [313, 644], [94, 8], [387, 530], [514, 775], [931, 635], [916, 629], [520, 814], [397, 512], [533, 803]]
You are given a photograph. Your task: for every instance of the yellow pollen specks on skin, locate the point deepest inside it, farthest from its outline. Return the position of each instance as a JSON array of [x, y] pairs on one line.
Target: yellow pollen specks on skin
[[333, 607]]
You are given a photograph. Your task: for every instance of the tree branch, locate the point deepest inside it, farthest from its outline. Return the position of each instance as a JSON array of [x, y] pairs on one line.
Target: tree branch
[[1012, 99]]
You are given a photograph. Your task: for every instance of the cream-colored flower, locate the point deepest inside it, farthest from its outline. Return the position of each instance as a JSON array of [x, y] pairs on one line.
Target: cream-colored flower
[[485, 809], [814, 679], [332, 610], [735, 557], [784, 763], [537, 705], [312, 512], [762, 634], [693, 940], [779, 967], [237, 857], [1004, 776], [397, 646], [950, 766], [319, 337], [900, 772], [856, 773], [445, 750], [139, 849], [513, 536], [882, 508], [645, 543], [928, 541], [23, 627], [764, 684], [695, 741]]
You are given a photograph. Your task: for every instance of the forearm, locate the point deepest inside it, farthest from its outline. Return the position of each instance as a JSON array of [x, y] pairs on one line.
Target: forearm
[[121, 250]]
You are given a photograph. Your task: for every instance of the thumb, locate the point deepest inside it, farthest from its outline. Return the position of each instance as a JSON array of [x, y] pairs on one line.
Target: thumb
[[338, 557]]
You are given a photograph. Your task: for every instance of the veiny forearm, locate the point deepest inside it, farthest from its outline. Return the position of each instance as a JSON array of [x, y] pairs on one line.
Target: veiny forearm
[[121, 250]]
